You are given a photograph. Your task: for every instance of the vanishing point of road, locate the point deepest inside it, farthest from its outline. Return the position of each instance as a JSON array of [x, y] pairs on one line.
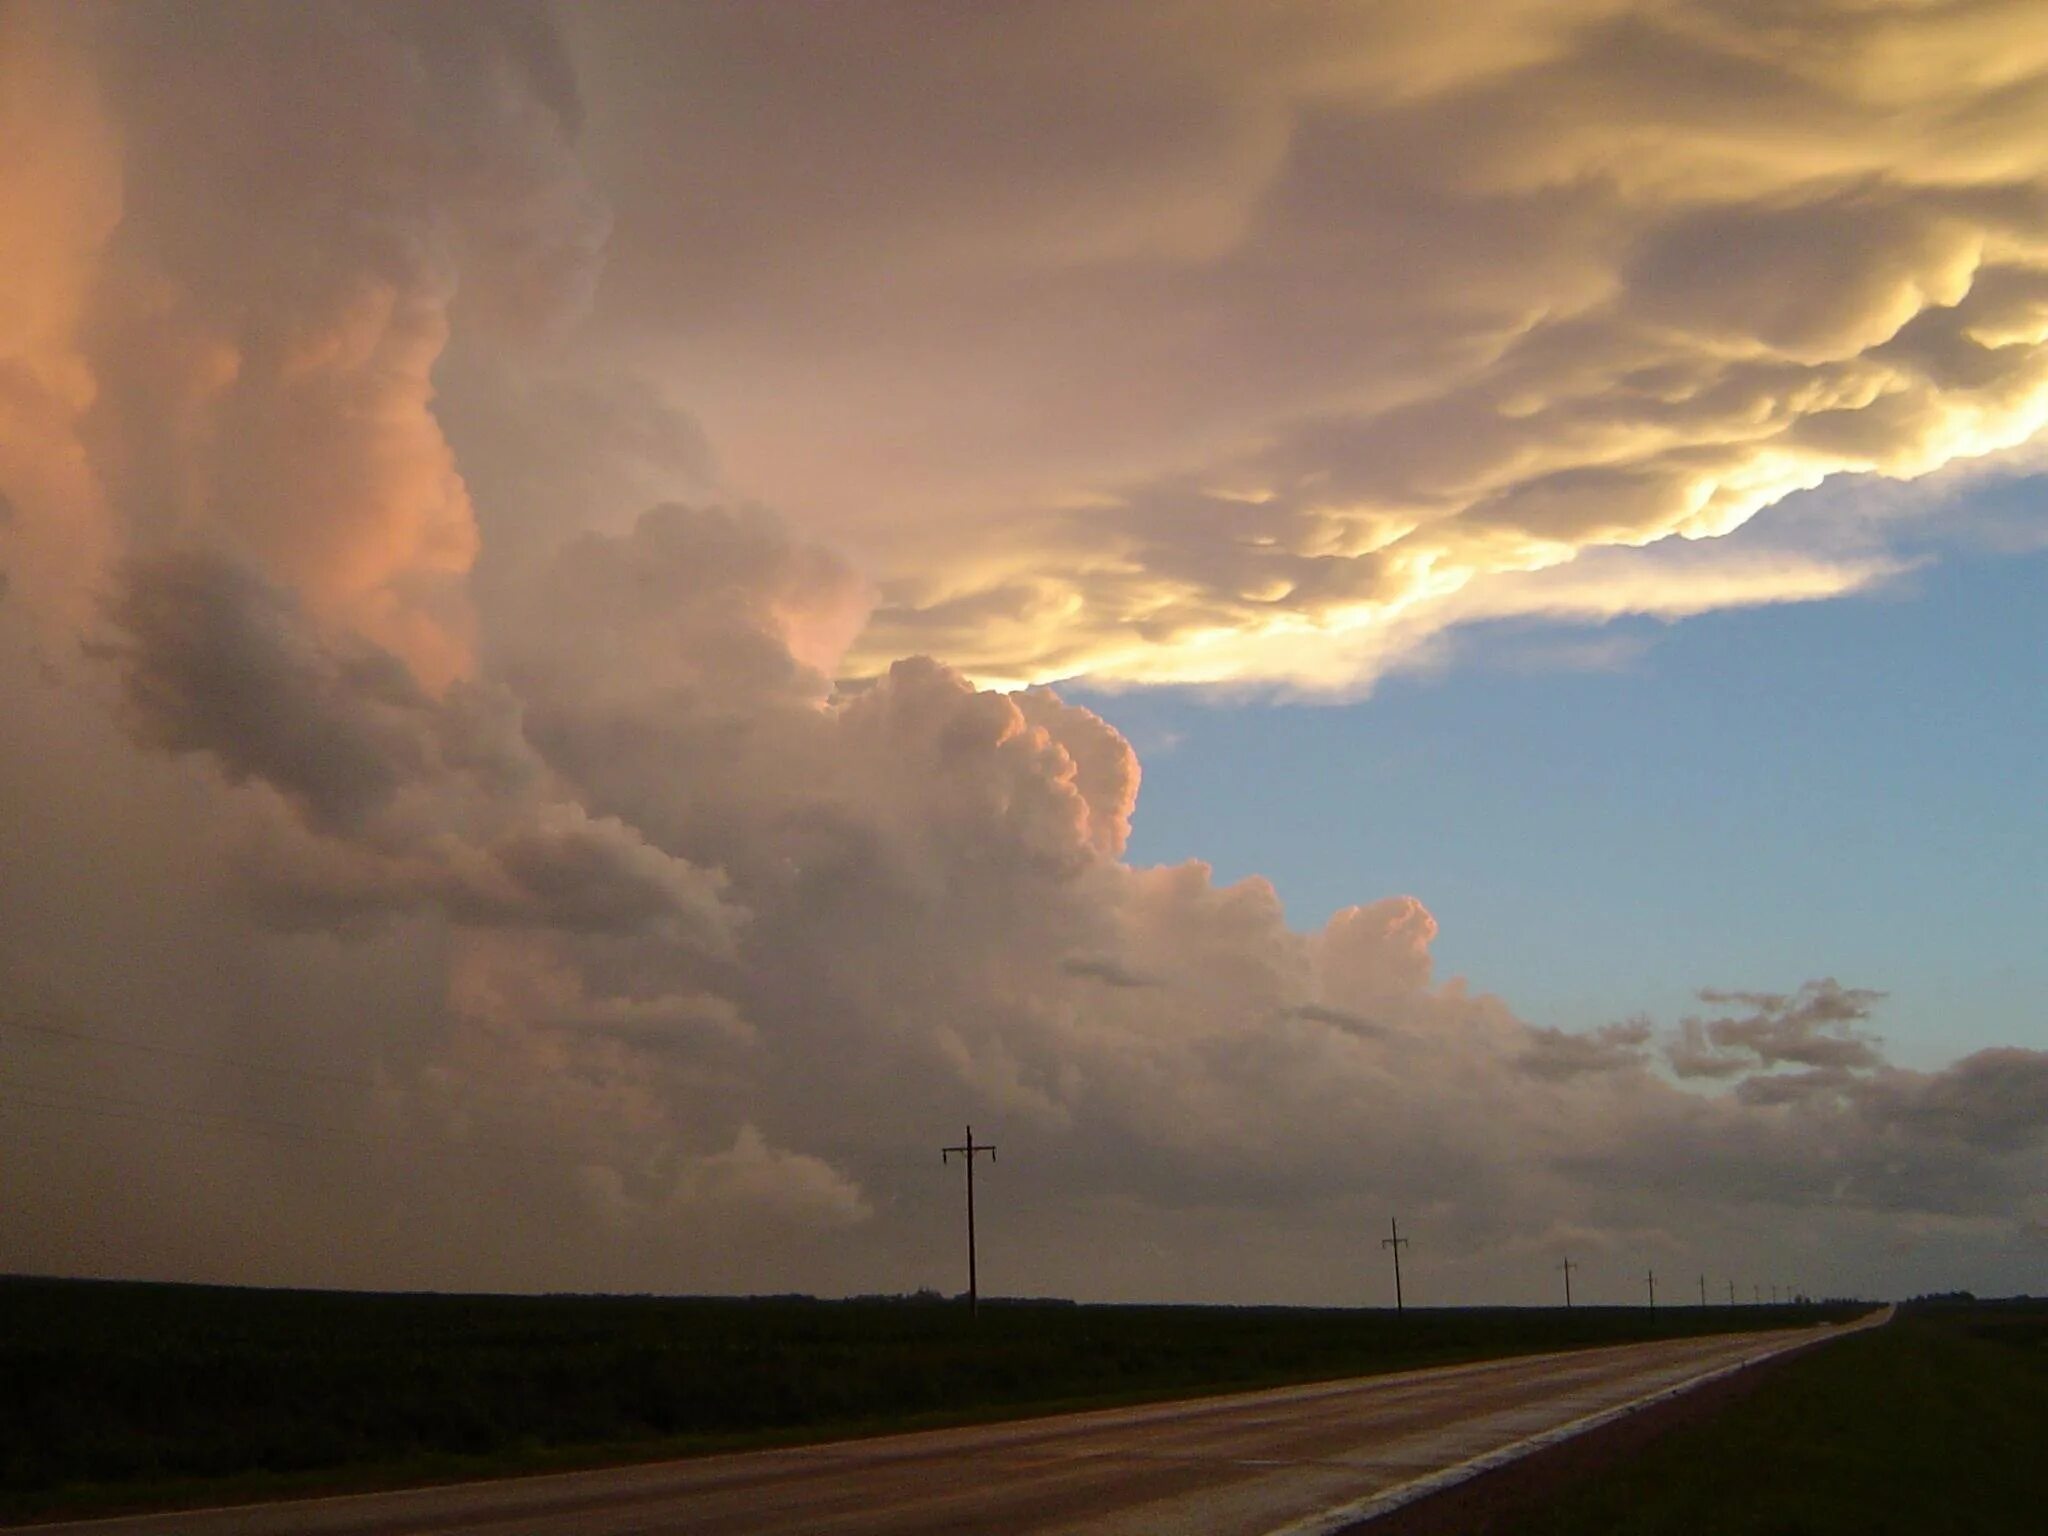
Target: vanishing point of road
[[1298, 1461]]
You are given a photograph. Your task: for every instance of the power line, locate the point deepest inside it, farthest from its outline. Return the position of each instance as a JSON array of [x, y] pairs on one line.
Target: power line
[[313, 1074], [194, 1118], [154, 1049], [162, 1114]]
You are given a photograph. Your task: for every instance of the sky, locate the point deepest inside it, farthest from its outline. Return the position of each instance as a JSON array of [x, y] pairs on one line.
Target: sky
[[616, 620], [1848, 787]]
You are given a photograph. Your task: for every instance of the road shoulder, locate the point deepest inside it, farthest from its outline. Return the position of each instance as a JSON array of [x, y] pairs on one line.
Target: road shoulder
[[1492, 1499]]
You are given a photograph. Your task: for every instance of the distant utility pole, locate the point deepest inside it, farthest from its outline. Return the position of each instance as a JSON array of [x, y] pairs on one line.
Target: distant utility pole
[[1774, 1295], [1756, 1294], [1731, 1293], [1703, 1290], [1651, 1276], [1397, 1242], [971, 1151], [1567, 1266]]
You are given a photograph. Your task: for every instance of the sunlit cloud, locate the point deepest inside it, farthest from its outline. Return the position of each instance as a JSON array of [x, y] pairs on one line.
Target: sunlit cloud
[[1422, 307]]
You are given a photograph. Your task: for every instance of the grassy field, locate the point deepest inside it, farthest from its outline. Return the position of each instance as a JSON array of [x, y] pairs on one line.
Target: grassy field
[[120, 1394], [1934, 1426]]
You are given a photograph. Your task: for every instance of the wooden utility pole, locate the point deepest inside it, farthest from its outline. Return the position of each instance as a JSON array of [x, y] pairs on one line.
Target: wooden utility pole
[[1703, 1290], [1567, 1266], [1397, 1242], [971, 1151], [1731, 1293], [1652, 1277]]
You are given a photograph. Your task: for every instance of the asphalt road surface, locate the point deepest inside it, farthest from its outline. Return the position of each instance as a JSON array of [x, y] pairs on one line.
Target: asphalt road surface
[[1300, 1460]]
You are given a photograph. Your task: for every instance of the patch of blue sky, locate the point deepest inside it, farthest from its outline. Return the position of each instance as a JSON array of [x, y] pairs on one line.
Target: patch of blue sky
[[1604, 819]]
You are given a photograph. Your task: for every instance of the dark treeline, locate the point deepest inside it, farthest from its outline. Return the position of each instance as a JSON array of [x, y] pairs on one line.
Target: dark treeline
[[109, 1383]]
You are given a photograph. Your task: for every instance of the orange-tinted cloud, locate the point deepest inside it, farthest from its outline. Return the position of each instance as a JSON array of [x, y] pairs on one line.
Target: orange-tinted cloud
[[241, 236]]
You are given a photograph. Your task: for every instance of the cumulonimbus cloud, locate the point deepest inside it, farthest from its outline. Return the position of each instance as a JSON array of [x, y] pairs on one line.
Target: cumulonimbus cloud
[[714, 923], [657, 946]]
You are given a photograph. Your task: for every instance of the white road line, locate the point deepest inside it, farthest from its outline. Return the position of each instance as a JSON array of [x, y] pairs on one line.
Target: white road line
[[1346, 1517]]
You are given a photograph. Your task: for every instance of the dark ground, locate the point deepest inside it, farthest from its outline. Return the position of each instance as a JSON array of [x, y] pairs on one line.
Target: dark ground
[[116, 1395], [1934, 1426]]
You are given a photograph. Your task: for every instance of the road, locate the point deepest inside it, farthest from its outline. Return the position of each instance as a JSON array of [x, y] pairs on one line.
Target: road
[[1303, 1461]]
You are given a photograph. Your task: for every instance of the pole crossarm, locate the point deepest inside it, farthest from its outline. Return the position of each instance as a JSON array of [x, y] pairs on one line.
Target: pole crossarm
[[972, 1149]]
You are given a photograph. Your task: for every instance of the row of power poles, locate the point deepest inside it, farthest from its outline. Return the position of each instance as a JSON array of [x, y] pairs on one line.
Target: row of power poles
[[1393, 1242], [970, 1149], [1650, 1280]]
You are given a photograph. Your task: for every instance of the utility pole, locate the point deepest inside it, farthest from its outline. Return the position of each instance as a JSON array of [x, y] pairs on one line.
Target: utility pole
[[1397, 1242], [1567, 1266], [1756, 1294], [1731, 1293], [971, 1151], [1651, 1276], [1703, 1290]]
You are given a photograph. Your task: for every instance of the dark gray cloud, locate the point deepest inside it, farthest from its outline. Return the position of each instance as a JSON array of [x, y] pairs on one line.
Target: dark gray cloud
[[401, 799], [1995, 1101], [1813, 1027], [214, 659], [1343, 1018], [1106, 970], [1557, 1053]]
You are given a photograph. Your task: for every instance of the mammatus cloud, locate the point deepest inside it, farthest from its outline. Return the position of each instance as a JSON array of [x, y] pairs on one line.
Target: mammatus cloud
[[577, 929], [1375, 319]]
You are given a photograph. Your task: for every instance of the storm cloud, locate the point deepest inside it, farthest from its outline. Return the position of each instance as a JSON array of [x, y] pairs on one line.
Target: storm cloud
[[615, 882]]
